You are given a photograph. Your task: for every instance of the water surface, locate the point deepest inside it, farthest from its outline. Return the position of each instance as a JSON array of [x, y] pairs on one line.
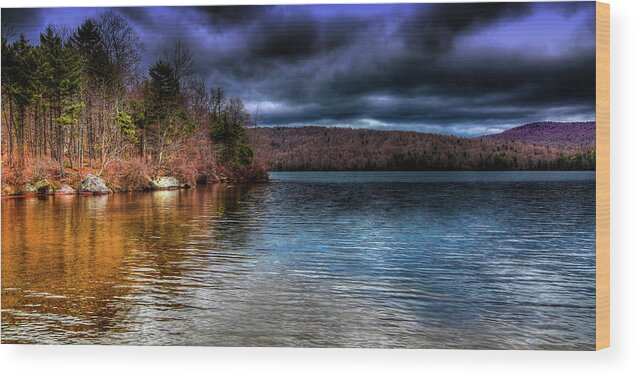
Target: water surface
[[372, 259]]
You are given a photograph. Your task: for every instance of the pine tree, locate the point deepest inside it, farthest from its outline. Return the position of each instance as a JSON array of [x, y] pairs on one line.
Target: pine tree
[[87, 41], [97, 72], [51, 45], [63, 81], [9, 65], [164, 107], [228, 132], [24, 87], [39, 91]]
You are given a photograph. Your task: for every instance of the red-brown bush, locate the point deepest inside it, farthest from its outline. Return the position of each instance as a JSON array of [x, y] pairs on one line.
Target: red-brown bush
[[32, 170], [133, 174]]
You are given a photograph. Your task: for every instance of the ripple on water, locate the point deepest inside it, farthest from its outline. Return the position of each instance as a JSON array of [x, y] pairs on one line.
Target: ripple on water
[[444, 260]]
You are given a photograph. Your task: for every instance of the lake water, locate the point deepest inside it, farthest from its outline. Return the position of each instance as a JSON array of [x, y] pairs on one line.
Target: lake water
[[369, 259]]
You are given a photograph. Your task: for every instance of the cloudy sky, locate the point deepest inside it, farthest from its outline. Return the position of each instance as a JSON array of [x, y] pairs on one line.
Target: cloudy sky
[[465, 69]]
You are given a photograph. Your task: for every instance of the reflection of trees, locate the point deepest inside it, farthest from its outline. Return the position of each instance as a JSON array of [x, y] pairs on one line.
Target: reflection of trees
[[60, 261], [81, 264], [191, 234]]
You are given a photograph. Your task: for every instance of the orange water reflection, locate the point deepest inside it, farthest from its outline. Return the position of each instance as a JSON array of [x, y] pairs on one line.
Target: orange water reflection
[[70, 264]]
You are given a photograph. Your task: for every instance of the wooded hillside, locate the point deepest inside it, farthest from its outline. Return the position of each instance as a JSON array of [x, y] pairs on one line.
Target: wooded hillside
[[321, 148], [560, 134]]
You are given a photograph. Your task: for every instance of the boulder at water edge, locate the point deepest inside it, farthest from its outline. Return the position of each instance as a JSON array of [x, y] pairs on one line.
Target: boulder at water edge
[[65, 189], [27, 189], [166, 182], [93, 184]]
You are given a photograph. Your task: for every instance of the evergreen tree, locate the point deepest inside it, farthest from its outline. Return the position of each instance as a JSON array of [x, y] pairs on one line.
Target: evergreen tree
[[228, 132], [63, 82], [164, 107], [24, 86], [87, 41], [9, 66]]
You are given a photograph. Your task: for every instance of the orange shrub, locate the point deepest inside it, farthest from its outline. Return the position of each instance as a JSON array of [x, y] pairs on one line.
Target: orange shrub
[[31, 171], [182, 167], [45, 168], [134, 174]]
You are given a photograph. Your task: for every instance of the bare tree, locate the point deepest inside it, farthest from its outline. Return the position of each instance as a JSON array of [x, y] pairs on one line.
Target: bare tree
[[217, 101], [8, 28], [181, 59], [197, 99], [123, 47]]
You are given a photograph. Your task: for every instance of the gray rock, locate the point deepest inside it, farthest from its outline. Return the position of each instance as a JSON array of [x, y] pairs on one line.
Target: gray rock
[[93, 184], [166, 182], [65, 189], [27, 188]]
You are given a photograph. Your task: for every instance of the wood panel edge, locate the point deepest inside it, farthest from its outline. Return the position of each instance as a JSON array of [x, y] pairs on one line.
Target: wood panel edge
[[602, 98]]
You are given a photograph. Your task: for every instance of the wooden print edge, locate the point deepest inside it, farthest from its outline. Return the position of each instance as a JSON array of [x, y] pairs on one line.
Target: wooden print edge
[[602, 107]]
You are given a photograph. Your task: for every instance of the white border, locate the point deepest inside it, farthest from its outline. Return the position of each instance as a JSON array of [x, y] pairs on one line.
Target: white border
[[118, 360]]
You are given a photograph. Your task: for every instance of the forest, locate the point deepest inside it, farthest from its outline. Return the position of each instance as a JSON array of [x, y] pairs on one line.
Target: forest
[[78, 102], [322, 148]]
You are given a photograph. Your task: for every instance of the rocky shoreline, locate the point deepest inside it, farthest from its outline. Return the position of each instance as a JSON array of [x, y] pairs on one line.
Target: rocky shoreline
[[93, 185]]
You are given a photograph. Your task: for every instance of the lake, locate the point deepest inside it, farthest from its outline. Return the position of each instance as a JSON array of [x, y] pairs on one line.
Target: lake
[[320, 259]]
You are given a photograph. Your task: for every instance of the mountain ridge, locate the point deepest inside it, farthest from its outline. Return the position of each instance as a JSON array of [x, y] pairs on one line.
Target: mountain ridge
[[334, 148], [552, 133]]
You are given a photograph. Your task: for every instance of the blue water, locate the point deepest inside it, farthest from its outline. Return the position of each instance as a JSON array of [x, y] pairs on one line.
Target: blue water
[[370, 259]]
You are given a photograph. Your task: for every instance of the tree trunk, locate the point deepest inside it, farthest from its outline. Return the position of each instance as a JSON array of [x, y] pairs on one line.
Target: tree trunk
[[102, 126], [51, 131], [60, 140], [36, 148], [80, 150], [89, 109], [20, 134], [10, 129]]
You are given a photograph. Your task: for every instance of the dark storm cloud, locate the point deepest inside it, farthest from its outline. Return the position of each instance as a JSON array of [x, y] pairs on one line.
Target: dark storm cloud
[[453, 68], [434, 28], [233, 15]]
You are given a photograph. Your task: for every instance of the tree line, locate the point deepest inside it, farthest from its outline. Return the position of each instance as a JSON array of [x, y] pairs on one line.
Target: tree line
[[79, 98], [322, 148]]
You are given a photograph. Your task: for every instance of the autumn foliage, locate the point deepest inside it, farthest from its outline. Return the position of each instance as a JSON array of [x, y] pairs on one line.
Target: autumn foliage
[[79, 102], [321, 148]]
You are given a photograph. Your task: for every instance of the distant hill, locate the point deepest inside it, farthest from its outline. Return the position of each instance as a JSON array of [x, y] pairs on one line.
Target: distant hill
[[322, 148], [563, 134]]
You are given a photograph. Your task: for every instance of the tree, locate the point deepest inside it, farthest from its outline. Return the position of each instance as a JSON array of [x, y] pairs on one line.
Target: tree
[[63, 82], [181, 59], [217, 102], [9, 65], [24, 86], [87, 41], [122, 46], [165, 108], [127, 126], [228, 132]]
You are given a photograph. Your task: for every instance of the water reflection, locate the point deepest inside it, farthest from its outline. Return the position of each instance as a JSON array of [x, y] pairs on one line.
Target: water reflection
[[75, 268], [375, 260]]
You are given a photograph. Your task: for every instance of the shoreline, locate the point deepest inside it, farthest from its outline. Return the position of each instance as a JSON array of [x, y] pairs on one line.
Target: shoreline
[[433, 170], [269, 179], [91, 194]]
